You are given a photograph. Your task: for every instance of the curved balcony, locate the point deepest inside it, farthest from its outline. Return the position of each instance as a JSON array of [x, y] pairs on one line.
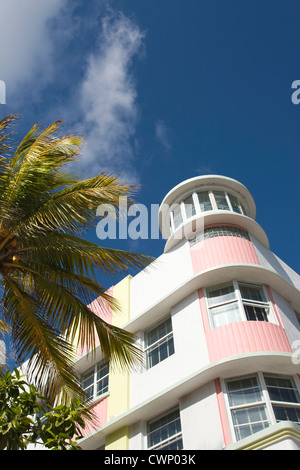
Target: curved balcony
[[229, 245], [238, 338]]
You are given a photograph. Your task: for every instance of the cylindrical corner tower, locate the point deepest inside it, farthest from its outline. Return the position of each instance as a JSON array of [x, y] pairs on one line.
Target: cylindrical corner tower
[[248, 298]]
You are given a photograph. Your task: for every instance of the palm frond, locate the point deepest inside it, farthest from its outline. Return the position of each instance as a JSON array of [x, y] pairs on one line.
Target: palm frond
[[49, 273], [36, 339]]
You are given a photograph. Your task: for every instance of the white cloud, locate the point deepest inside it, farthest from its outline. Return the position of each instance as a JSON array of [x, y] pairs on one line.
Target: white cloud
[[26, 44], [162, 135], [109, 110], [39, 44]]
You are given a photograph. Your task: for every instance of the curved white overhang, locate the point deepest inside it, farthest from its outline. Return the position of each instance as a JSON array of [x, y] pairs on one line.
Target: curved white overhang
[[251, 273], [195, 223], [270, 436], [203, 183], [234, 366]]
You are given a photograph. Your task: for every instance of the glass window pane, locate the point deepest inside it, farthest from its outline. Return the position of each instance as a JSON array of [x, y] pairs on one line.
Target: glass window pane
[[224, 231], [160, 351], [175, 444], [220, 294], [158, 332], [256, 313], [221, 200], [244, 391], [235, 204], [89, 392], [282, 389], [163, 430], [249, 420], [204, 201], [225, 314], [102, 370], [287, 413], [177, 217], [87, 378], [251, 292], [159, 343], [102, 386], [189, 207]]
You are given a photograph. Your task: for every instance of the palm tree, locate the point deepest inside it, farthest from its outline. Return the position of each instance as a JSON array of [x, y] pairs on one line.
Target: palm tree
[[49, 273]]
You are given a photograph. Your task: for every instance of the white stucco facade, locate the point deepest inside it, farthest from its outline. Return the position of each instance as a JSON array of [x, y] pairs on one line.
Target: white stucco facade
[[231, 308]]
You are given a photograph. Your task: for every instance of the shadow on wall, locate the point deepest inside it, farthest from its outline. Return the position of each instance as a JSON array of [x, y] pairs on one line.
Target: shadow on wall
[[268, 259]]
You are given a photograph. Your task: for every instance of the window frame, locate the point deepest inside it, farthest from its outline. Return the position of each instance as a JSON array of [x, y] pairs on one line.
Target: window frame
[[266, 399], [180, 205], [240, 302], [215, 231], [94, 373], [176, 437], [162, 340]]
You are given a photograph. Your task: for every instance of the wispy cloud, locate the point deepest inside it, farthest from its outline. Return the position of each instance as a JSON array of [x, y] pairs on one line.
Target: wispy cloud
[[108, 104], [26, 45], [162, 135], [89, 81]]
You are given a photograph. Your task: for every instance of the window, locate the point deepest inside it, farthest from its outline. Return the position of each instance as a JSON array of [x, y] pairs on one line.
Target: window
[[219, 231], [159, 344], [223, 305], [204, 201], [165, 432], [260, 400], [254, 302], [236, 206], [95, 381], [189, 207], [237, 301], [177, 217], [221, 201], [282, 391], [199, 202]]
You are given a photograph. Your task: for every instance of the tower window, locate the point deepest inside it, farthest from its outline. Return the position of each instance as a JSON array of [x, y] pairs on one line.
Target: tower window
[[189, 207], [203, 201], [221, 200], [218, 231]]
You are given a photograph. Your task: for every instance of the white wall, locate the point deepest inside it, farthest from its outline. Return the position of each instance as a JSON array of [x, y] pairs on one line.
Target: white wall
[[200, 420], [288, 317], [190, 354], [268, 259], [168, 271]]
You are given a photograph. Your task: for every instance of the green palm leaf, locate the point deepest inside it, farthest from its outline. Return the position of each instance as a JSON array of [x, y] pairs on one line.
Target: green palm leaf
[[49, 273]]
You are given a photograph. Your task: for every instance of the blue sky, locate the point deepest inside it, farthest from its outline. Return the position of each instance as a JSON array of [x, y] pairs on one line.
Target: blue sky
[[166, 90]]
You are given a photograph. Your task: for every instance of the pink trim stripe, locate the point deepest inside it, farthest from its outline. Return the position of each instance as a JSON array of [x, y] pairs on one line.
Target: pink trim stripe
[[222, 250], [99, 410], [242, 337], [223, 414]]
